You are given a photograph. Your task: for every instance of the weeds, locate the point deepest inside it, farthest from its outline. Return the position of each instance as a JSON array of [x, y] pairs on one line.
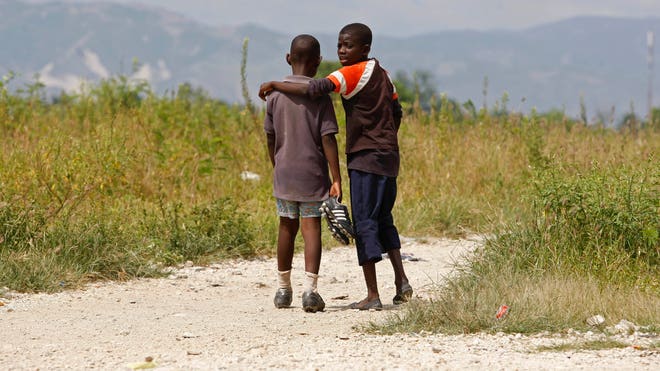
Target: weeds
[[590, 245], [115, 182]]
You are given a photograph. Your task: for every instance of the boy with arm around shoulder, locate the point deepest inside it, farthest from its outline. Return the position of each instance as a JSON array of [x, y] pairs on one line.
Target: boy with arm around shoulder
[[373, 116], [301, 144]]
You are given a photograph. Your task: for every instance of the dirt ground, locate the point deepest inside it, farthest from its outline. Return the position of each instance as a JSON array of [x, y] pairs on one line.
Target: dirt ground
[[222, 317]]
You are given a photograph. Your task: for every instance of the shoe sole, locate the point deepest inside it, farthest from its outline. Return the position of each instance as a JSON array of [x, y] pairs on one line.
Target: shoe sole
[[343, 225], [339, 235]]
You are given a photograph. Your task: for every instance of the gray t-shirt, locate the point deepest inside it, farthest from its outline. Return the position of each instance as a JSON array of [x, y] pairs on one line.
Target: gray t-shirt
[[298, 123]]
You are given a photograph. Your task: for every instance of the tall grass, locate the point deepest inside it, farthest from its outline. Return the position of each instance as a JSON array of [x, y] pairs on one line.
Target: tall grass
[[590, 246], [118, 182]]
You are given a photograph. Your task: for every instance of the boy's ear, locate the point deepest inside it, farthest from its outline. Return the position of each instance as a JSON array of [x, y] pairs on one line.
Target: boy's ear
[[366, 49], [288, 59], [318, 62]]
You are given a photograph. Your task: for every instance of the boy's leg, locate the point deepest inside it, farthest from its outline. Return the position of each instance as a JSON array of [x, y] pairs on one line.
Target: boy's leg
[[287, 230], [403, 289], [365, 204], [366, 194], [285, 242], [311, 232], [389, 237], [372, 301]]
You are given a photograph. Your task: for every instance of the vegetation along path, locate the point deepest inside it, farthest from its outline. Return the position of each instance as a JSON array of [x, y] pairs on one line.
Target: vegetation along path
[[222, 317]]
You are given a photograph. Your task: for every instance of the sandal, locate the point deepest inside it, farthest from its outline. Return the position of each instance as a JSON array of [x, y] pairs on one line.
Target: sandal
[[374, 304], [403, 295]]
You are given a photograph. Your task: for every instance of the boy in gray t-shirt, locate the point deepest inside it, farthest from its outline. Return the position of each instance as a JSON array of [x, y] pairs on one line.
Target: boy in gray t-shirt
[[301, 144]]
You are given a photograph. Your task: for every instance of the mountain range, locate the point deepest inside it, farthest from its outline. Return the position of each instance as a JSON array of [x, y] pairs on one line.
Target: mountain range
[[599, 61]]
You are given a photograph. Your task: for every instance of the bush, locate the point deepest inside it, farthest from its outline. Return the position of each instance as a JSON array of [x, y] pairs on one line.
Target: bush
[[591, 246]]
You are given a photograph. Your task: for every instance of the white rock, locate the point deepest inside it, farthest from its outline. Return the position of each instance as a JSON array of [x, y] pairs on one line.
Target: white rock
[[248, 175]]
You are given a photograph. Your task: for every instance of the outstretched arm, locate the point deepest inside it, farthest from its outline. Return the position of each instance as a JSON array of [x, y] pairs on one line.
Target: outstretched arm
[[314, 89], [331, 152], [284, 87]]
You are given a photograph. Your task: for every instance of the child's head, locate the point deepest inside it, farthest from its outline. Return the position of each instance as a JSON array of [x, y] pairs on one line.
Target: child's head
[[354, 43], [304, 55]]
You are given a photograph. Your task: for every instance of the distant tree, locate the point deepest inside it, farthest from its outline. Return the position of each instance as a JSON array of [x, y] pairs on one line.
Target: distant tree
[[629, 122], [418, 88], [655, 119]]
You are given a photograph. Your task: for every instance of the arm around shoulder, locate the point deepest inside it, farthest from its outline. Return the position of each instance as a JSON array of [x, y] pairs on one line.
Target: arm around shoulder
[[284, 87]]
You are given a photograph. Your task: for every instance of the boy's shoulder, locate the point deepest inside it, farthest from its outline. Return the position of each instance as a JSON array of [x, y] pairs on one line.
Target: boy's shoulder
[[350, 79], [297, 79], [356, 68]]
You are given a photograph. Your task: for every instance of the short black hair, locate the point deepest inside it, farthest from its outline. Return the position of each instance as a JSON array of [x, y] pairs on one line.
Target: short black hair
[[304, 47], [359, 30]]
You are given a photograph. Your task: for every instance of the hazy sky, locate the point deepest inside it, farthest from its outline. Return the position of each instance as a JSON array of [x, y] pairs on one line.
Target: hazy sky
[[396, 17]]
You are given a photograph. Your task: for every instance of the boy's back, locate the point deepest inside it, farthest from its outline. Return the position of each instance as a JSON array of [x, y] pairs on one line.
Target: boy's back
[[298, 124]]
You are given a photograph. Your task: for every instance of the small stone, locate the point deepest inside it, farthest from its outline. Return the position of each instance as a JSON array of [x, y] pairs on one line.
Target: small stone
[[624, 327], [596, 320]]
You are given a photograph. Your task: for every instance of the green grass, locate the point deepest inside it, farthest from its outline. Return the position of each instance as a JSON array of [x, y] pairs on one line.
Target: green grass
[[589, 246], [117, 182]]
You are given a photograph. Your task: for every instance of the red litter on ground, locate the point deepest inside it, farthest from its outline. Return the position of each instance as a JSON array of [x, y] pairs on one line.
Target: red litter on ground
[[502, 311]]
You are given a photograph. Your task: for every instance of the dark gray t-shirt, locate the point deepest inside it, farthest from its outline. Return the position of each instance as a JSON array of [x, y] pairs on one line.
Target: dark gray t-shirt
[[298, 123]]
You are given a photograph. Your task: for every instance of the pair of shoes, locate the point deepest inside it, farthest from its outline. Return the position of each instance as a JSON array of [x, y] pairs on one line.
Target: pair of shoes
[[374, 304], [312, 302], [283, 298], [339, 222], [403, 295]]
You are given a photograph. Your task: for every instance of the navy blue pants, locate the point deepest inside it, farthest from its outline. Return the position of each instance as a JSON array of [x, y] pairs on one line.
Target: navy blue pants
[[372, 200]]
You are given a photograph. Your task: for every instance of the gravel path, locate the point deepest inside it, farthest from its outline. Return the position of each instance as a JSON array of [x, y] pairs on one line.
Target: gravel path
[[222, 317]]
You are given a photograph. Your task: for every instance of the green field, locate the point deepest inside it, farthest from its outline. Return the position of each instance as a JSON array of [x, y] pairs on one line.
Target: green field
[[117, 182]]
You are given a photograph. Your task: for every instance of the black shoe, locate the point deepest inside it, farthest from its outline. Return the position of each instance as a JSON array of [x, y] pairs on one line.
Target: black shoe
[[339, 221], [283, 298], [312, 302]]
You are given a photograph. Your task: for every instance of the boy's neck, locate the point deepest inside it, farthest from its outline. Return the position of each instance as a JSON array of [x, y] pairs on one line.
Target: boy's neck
[[303, 71], [360, 61]]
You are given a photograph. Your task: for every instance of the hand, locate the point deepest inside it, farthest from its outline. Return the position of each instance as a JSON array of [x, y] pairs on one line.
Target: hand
[[335, 191], [265, 89]]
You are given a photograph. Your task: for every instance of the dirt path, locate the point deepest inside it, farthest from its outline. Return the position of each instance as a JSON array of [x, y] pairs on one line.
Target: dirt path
[[222, 317]]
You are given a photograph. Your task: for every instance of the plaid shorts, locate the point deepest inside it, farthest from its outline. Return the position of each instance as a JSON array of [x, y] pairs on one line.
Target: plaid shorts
[[296, 209]]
